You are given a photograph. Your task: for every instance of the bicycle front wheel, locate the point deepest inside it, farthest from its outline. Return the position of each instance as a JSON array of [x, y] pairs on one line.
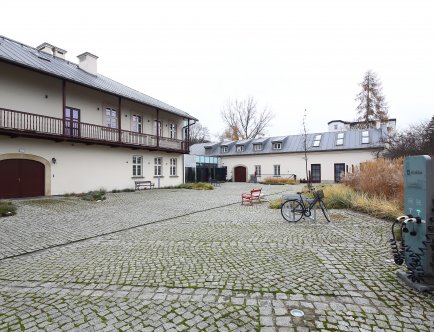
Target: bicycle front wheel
[[324, 211], [292, 210]]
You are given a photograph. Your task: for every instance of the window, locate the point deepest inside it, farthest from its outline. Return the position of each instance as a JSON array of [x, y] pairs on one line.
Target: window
[[365, 137], [137, 123], [339, 172], [172, 131], [277, 146], [258, 170], [111, 118], [315, 173], [137, 165], [224, 149], [157, 128], [276, 170], [172, 166], [336, 127], [158, 166], [317, 140], [240, 148], [257, 147], [340, 139]]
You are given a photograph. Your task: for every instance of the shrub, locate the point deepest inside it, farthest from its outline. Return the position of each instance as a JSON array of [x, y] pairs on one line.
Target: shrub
[[97, 195], [275, 203], [272, 180], [381, 177], [196, 186], [7, 209], [341, 196], [126, 190]]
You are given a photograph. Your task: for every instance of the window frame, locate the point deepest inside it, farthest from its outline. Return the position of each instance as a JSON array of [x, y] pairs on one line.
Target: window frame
[[277, 145], [365, 137], [172, 130], [109, 118], [257, 147], [137, 123], [276, 168], [258, 170], [173, 166], [240, 148], [137, 164], [224, 149], [158, 166]]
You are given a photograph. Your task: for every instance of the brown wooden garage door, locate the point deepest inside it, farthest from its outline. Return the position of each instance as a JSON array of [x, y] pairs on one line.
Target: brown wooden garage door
[[240, 174], [21, 178]]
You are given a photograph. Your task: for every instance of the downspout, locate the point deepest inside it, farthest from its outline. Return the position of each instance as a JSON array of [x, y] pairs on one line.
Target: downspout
[[158, 126], [119, 119], [187, 147], [63, 105]]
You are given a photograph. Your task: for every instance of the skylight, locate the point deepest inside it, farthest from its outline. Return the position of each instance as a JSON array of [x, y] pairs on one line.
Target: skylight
[[317, 140], [340, 139], [365, 137]]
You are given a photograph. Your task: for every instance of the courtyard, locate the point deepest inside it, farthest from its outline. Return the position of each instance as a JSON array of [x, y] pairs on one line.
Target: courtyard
[[174, 260]]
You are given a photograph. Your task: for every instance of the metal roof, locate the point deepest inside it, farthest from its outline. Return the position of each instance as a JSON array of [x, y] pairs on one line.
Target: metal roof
[[295, 143], [27, 56]]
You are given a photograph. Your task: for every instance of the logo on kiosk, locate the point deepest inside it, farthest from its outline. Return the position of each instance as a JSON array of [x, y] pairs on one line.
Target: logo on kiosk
[[416, 172]]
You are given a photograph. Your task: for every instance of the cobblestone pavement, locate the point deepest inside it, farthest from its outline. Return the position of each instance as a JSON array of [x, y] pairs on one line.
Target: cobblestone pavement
[[193, 261]]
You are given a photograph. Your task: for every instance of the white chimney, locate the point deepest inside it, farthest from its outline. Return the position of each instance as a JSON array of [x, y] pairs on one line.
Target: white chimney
[[88, 62], [52, 50]]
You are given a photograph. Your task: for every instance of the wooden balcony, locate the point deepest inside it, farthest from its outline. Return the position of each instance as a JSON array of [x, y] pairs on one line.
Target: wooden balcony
[[21, 124]]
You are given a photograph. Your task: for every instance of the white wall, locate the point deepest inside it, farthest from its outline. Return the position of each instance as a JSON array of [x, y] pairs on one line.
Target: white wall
[[293, 163], [81, 168]]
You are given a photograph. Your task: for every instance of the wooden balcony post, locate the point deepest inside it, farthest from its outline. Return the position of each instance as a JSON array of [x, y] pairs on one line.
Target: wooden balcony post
[[158, 127], [63, 105]]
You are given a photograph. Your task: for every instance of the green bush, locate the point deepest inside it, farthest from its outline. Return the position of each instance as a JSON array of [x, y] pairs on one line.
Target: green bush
[[7, 209], [196, 186], [126, 190]]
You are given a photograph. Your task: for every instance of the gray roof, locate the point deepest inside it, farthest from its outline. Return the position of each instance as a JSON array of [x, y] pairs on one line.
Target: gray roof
[[27, 56], [295, 143]]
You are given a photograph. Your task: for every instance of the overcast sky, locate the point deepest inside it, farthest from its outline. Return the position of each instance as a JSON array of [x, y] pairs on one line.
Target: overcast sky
[[290, 55]]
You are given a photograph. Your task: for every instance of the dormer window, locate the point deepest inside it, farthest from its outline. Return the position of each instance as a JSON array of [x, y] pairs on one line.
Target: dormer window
[[340, 139], [224, 149], [257, 147], [277, 146], [317, 140], [365, 137], [208, 149], [240, 148]]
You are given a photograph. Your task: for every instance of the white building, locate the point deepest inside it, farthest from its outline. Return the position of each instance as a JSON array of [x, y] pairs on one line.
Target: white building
[[329, 154], [65, 128]]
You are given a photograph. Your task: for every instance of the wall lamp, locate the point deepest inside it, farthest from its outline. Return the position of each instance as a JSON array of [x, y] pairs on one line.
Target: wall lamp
[[53, 160]]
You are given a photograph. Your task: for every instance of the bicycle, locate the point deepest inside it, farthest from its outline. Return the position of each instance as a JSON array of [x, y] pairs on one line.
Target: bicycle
[[295, 209]]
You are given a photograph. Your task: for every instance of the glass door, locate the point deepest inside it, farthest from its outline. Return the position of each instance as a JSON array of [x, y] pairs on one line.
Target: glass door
[[72, 122]]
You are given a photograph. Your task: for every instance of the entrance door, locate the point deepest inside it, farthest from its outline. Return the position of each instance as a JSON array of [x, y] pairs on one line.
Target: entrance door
[[315, 173], [240, 174], [72, 122], [339, 172], [21, 178]]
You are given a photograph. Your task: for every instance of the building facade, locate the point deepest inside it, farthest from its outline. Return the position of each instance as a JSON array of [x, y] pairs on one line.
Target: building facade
[[329, 154], [66, 128]]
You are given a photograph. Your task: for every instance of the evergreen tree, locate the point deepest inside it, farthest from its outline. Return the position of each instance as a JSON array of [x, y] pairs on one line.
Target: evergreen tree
[[372, 103]]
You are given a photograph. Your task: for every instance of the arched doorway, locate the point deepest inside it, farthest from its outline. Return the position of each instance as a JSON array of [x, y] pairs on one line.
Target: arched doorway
[[240, 174], [21, 178]]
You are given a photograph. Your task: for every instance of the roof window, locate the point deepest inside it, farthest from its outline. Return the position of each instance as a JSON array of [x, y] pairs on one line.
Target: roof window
[[240, 148], [340, 139], [257, 147], [277, 145], [224, 149], [365, 137], [317, 140]]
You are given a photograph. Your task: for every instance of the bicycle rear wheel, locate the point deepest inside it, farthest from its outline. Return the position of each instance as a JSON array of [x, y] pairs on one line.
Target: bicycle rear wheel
[[324, 210], [292, 210]]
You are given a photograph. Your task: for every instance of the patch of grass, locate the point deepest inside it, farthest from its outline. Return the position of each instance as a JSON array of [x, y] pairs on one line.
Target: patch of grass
[[97, 195], [192, 185], [7, 209], [275, 203], [273, 180], [126, 190]]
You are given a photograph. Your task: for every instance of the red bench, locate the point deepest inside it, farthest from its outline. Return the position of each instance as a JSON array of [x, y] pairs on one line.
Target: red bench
[[249, 198]]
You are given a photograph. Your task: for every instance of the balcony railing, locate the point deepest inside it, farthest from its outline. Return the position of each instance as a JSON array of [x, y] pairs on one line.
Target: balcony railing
[[35, 125]]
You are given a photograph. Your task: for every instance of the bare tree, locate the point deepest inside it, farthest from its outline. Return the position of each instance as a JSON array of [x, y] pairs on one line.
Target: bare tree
[[372, 103], [244, 120], [416, 140], [198, 134]]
